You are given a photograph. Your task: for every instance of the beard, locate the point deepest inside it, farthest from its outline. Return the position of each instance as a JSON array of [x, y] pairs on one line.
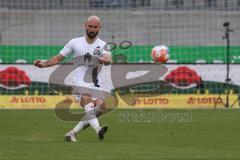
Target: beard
[[92, 35]]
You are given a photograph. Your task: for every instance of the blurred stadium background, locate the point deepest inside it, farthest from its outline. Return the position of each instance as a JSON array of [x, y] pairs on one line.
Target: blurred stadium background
[[193, 29], [197, 74]]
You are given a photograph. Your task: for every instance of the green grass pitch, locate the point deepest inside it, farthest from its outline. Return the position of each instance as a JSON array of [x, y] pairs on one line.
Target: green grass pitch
[[37, 134]]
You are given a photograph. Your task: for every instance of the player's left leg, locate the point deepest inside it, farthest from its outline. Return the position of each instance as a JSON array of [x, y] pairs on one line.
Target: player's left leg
[[99, 110], [93, 109]]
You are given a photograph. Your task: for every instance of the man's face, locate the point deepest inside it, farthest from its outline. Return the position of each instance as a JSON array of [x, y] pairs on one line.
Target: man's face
[[92, 28]]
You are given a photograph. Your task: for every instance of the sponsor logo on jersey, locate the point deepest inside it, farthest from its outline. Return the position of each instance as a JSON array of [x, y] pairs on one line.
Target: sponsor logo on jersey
[[87, 57]]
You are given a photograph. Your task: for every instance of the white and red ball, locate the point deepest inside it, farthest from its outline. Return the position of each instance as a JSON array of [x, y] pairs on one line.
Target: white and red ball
[[160, 54]]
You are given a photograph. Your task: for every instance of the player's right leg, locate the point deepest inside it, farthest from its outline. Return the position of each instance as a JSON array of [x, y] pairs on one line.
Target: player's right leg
[[83, 123]]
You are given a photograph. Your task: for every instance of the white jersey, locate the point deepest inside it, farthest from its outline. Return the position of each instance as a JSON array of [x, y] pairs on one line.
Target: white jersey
[[80, 47]]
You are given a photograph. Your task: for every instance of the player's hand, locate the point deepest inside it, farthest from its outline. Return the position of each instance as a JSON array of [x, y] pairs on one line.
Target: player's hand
[[103, 60], [38, 63]]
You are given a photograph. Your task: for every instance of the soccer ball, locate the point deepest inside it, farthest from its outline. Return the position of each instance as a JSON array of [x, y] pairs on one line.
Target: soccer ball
[[160, 54]]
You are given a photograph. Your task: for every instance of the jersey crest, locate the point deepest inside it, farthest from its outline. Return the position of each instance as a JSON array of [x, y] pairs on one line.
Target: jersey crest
[[97, 51]]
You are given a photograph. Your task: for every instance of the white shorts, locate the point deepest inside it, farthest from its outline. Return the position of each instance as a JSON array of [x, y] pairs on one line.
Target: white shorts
[[95, 92], [88, 108], [104, 78], [77, 98]]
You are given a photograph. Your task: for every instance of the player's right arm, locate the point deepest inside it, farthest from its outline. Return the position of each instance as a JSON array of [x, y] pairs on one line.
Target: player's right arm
[[68, 48], [51, 62]]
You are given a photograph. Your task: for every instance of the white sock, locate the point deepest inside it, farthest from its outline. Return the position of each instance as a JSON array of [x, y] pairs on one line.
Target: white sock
[[91, 117], [94, 124], [79, 126]]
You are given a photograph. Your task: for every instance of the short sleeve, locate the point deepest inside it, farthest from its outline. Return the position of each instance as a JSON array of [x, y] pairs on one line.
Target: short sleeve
[[106, 49], [67, 49]]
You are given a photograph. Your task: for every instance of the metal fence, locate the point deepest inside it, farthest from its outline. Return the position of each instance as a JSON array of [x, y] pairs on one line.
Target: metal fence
[[121, 4]]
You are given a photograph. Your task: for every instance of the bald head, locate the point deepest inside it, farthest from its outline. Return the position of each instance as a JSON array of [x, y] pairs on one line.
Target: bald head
[[93, 18], [92, 26]]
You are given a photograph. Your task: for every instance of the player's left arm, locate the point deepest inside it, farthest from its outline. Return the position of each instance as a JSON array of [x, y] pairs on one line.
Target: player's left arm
[[106, 59]]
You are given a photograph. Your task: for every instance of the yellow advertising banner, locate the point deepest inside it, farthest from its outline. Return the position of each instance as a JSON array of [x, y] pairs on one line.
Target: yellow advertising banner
[[162, 101], [183, 101], [33, 102]]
